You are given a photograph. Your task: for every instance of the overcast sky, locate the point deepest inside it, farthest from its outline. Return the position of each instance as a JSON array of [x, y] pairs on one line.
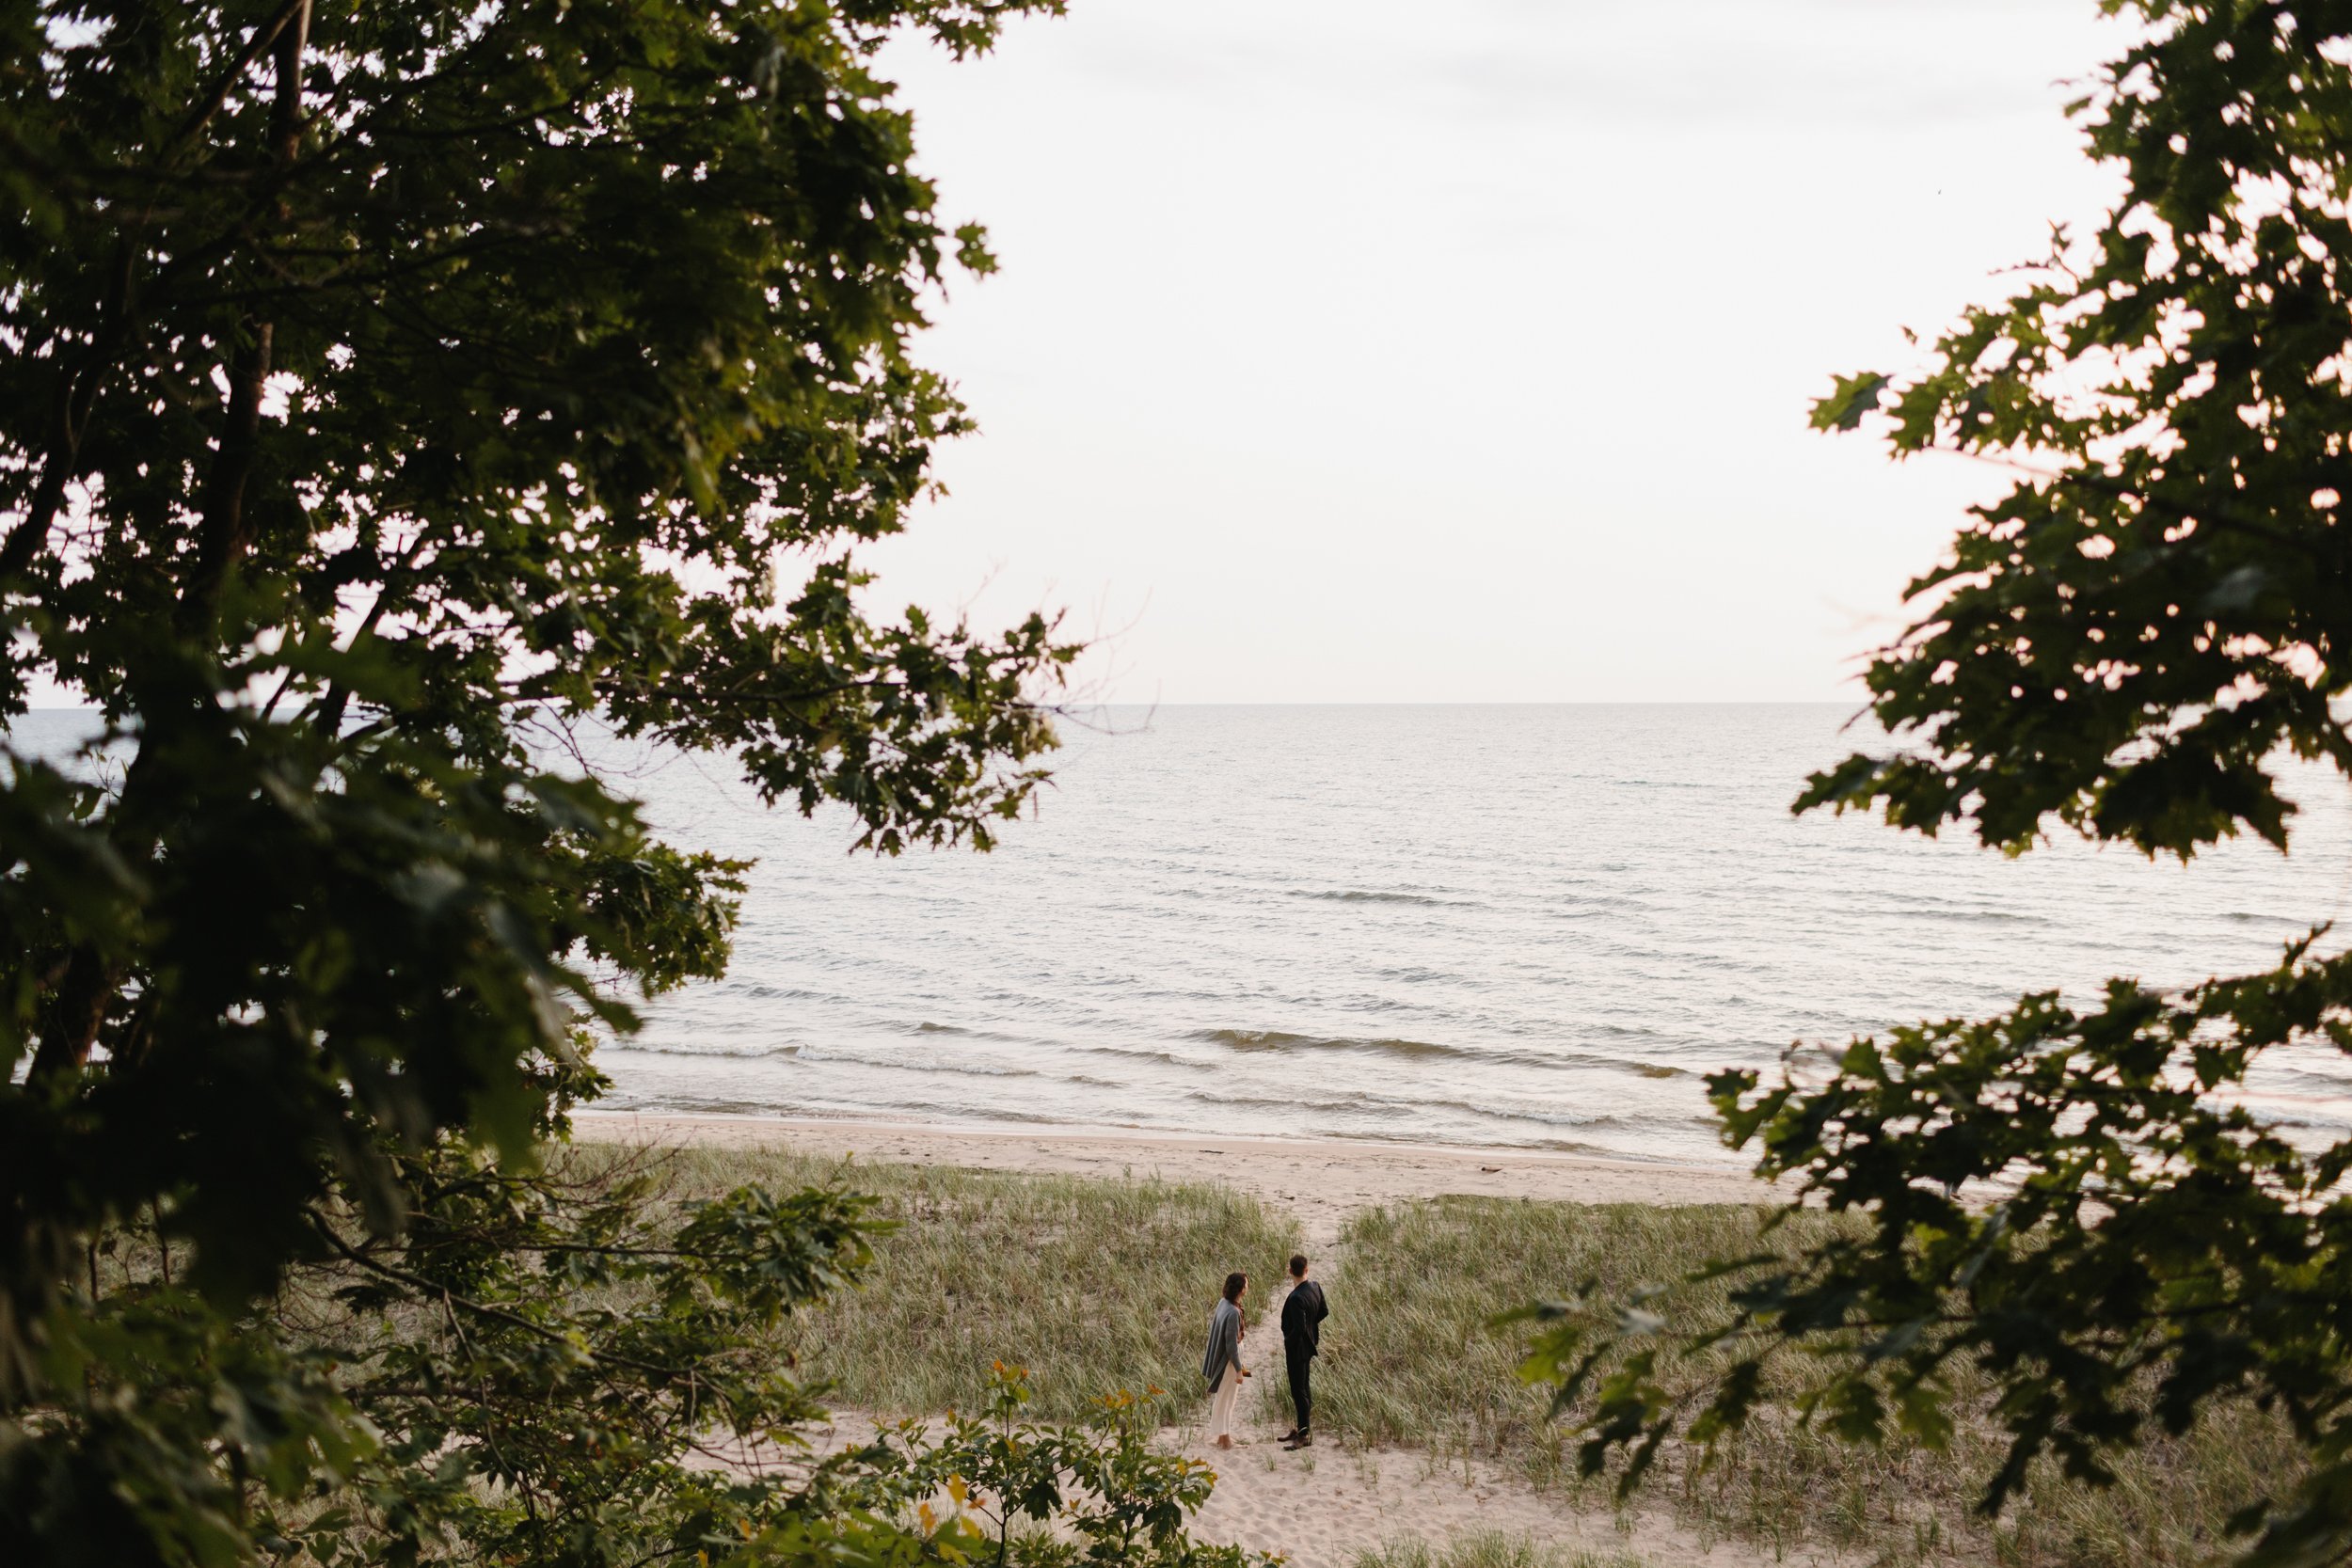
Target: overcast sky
[[1371, 351]]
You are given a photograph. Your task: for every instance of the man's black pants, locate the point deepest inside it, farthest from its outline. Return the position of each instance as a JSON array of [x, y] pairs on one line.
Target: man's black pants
[[1300, 1362]]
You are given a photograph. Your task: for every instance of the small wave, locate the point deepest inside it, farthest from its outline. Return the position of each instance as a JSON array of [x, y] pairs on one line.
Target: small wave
[[2303, 1124], [1355, 896], [1970, 916], [752, 1053], [1276, 1039], [1291, 1103], [1619, 1031], [962, 1032], [1558, 1059], [888, 1060], [1593, 1061], [2285, 1081], [1143, 1054], [951, 1114], [1538, 1119], [689, 1104], [936, 1113], [1410, 1110]]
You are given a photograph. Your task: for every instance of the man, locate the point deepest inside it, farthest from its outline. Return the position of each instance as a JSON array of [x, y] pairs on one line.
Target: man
[[1303, 1311]]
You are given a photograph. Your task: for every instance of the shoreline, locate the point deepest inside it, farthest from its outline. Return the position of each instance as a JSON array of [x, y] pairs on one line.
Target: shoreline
[[1320, 1180]]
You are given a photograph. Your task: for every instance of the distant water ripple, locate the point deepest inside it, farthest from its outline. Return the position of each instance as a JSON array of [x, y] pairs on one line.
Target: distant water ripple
[[1534, 927]]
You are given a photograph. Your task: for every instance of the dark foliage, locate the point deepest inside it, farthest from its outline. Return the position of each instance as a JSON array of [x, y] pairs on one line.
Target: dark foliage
[[386, 390], [2066, 1203]]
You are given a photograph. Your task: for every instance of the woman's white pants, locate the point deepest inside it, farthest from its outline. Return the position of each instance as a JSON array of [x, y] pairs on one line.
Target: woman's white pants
[[1221, 1403]]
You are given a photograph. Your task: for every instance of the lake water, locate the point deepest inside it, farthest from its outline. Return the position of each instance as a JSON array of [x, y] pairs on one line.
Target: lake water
[[1530, 927]]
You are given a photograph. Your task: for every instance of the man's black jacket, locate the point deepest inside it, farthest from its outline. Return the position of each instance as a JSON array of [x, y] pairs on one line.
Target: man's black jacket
[[1303, 1313]]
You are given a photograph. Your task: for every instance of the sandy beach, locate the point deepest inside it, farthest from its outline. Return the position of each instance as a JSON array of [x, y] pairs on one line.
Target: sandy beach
[[1321, 1506], [1321, 1181]]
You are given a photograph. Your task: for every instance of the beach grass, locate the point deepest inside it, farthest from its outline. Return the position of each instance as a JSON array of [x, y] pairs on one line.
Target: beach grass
[[1489, 1549], [1413, 1359], [1094, 1286], [1101, 1284], [1410, 1356]]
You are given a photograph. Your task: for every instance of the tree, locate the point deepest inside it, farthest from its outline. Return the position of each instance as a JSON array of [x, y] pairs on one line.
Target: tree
[[388, 389], [2124, 646]]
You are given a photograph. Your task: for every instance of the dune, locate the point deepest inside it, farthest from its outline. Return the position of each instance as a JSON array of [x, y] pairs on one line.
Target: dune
[[1320, 1180]]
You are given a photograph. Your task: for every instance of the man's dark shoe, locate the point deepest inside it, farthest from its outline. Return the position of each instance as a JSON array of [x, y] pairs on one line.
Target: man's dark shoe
[[1300, 1440], [1289, 1437]]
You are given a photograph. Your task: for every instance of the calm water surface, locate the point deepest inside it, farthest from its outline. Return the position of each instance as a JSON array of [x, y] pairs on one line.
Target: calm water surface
[[1532, 927]]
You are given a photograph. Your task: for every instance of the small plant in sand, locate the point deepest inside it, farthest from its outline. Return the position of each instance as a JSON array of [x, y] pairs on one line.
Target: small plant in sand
[[1099, 1491]]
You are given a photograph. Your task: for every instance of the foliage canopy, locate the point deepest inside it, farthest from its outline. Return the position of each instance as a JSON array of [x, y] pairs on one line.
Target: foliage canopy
[[388, 389], [2068, 1200]]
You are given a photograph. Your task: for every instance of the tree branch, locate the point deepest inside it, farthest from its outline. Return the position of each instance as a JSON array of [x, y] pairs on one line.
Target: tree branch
[[77, 387], [480, 1309], [263, 38], [223, 536]]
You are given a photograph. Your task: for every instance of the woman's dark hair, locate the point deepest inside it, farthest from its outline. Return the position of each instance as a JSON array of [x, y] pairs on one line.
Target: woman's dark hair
[[1234, 1283]]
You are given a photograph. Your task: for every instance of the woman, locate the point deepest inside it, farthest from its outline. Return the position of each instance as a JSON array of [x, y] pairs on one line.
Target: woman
[[1221, 1367]]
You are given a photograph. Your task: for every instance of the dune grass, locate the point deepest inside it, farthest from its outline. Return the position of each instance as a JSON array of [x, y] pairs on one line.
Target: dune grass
[[1489, 1549], [1411, 1359], [1097, 1285], [1093, 1286]]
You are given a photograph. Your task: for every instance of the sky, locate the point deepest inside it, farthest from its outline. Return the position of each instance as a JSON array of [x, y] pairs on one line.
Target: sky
[[1358, 351]]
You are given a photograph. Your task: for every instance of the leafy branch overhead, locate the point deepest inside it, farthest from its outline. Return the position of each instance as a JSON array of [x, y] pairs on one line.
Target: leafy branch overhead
[[2063, 1223], [2127, 642], [390, 391]]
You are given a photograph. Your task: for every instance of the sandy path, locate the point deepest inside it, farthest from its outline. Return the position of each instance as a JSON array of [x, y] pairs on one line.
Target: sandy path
[[1322, 1506], [1319, 1180]]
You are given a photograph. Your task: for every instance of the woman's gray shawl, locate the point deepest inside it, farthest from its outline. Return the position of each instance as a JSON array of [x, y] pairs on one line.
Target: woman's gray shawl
[[1224, 1344]]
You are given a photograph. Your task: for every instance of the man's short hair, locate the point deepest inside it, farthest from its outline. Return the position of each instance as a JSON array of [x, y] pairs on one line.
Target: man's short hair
[[1299, 1264]]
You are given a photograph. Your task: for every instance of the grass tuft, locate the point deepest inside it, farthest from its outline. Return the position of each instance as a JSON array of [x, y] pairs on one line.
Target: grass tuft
[[1489, 1549]]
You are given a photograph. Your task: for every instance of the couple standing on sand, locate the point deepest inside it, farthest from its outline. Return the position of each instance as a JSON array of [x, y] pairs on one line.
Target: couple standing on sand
[[1303, 1311]]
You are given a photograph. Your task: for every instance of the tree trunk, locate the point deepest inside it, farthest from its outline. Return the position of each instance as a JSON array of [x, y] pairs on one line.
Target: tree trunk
[[223, 536]]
